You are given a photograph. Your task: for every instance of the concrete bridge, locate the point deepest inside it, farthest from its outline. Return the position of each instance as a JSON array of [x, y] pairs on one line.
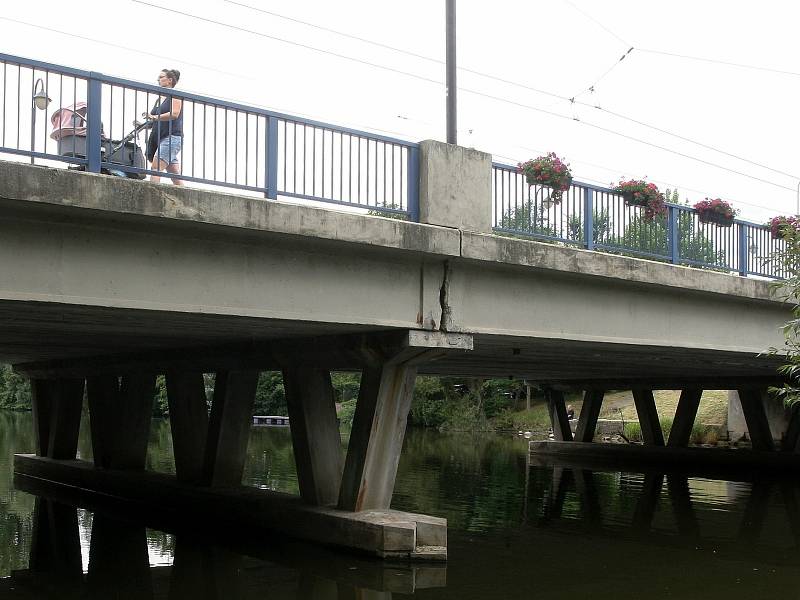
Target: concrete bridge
[[107, 282]]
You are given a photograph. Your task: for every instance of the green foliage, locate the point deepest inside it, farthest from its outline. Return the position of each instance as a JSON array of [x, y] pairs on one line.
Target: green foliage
[[789, 289], [601, 223], [633, 431], [160, 404], [651, 237], [345, 386], [15, 390], [527, 218], [270, 394]]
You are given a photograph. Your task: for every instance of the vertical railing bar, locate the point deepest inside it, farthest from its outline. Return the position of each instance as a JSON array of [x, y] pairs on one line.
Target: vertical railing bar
[[271, 152], [413, 183], [93, 125]]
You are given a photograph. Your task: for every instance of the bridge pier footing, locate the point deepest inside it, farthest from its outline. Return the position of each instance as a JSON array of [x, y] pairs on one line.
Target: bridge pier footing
[[342, 501]]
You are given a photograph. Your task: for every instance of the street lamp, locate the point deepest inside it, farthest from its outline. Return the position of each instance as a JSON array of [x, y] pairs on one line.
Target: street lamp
[[40, 102]]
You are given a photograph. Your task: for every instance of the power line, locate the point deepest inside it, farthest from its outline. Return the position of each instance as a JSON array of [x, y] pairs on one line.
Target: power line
[[468, 90], [290, 42], [121, 47], [629, 137], [720, 62], [598, 23], [572, 100]]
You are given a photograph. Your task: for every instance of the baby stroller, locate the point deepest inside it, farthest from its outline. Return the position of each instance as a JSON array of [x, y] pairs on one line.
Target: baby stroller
[[69, 130]]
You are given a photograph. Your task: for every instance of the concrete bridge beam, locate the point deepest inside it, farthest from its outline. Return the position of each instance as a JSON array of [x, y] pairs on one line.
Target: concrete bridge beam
[[562, 431], [315, 434], [120, 411], [188, 420], [376, 439], [648, 417], [229, 427], [57, 405], [755, 416], [590, 411], [685, 414]]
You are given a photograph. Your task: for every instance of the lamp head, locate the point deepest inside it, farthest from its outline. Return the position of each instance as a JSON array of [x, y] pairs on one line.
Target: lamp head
[[40, 98]]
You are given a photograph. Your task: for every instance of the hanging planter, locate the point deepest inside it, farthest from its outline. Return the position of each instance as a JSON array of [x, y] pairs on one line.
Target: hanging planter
[[638, 192], [715, 211], [779, 226], [547, 171]]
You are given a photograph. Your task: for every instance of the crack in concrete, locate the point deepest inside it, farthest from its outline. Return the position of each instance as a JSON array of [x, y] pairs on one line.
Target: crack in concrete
[[444, 298]]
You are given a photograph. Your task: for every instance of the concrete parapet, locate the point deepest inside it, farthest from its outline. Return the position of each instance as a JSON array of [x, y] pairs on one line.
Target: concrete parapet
[[455, 187]]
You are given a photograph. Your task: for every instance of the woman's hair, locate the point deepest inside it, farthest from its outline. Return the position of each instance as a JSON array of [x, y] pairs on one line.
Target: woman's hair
[[173, 74]]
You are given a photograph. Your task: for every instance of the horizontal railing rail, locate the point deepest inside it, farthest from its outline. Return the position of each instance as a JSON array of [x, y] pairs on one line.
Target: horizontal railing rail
[[222, 143], [598, 218]]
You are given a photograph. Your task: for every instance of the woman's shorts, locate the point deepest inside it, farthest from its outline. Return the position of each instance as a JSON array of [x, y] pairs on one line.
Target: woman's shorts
[[169, 147]]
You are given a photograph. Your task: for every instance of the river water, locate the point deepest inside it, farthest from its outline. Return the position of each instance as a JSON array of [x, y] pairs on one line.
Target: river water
[[515, 531]]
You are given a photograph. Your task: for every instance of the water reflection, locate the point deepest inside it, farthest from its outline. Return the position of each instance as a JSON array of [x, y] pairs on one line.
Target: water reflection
[[668, 508], [515, 529], [119, 564]]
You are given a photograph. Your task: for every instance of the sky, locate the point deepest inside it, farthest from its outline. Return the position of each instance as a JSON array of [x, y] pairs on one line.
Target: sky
[[709, 82]]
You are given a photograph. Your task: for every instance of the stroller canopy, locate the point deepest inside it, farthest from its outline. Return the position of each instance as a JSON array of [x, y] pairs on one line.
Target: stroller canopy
[[71, 120]]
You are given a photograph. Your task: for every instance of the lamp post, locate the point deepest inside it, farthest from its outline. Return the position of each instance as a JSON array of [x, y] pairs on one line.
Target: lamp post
[[40, 102]]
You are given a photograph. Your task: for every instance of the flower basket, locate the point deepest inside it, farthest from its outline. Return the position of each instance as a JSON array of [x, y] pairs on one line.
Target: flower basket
[[548, 171], [637, 192], [715, 211], [777, 226]]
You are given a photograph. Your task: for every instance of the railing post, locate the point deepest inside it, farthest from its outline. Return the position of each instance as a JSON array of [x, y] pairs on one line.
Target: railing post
[[674, 234], [742, 249], [94, 127], [588, 218], [272, 158], [413, 184]]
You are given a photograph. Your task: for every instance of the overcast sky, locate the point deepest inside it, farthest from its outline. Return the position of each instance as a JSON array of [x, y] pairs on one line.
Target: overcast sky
[[560, 47]]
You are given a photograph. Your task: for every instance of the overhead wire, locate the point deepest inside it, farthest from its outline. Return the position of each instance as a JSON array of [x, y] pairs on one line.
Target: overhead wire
[[463, 89], [562, 97], [121, 47], [720, 62], [471, 91]]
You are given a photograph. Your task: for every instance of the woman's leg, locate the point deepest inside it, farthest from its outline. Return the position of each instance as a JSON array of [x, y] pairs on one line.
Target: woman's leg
[[175, 168], [158, 165]]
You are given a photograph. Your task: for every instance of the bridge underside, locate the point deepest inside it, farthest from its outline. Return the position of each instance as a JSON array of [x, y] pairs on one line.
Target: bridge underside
[[43, 337]]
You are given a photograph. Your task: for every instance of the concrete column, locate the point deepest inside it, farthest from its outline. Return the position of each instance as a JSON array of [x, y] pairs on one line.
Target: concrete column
[[455, 187], [755, 415], [558, 416], [791, 440], [648, 417], [778, 417], [315, 434], [229, 427], [188, 420], [681, 500], [376, 438], [587, 421], [57, 405], [685, 415], [120, 412]]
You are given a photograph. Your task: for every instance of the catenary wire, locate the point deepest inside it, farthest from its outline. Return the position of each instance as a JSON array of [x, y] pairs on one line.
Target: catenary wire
[[562, 97], [720, 62], [463, 89]]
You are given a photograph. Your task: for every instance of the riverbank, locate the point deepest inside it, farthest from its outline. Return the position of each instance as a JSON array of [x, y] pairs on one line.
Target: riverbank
[[710, 425]]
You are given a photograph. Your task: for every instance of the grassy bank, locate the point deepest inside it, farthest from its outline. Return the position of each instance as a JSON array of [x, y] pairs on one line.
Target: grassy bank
[[712, 415]]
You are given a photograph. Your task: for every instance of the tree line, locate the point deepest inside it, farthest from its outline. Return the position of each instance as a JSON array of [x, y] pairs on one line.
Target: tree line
[[438, 402]]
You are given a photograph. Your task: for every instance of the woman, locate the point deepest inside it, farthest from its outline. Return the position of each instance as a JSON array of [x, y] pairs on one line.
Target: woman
[[166, 134]]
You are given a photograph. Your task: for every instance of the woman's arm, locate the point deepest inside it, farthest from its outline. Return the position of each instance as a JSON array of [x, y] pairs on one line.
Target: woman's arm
[[174, 112]]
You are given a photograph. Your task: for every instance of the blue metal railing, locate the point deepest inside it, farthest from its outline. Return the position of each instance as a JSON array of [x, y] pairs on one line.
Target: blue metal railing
[[598, 218], [224, 143]]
